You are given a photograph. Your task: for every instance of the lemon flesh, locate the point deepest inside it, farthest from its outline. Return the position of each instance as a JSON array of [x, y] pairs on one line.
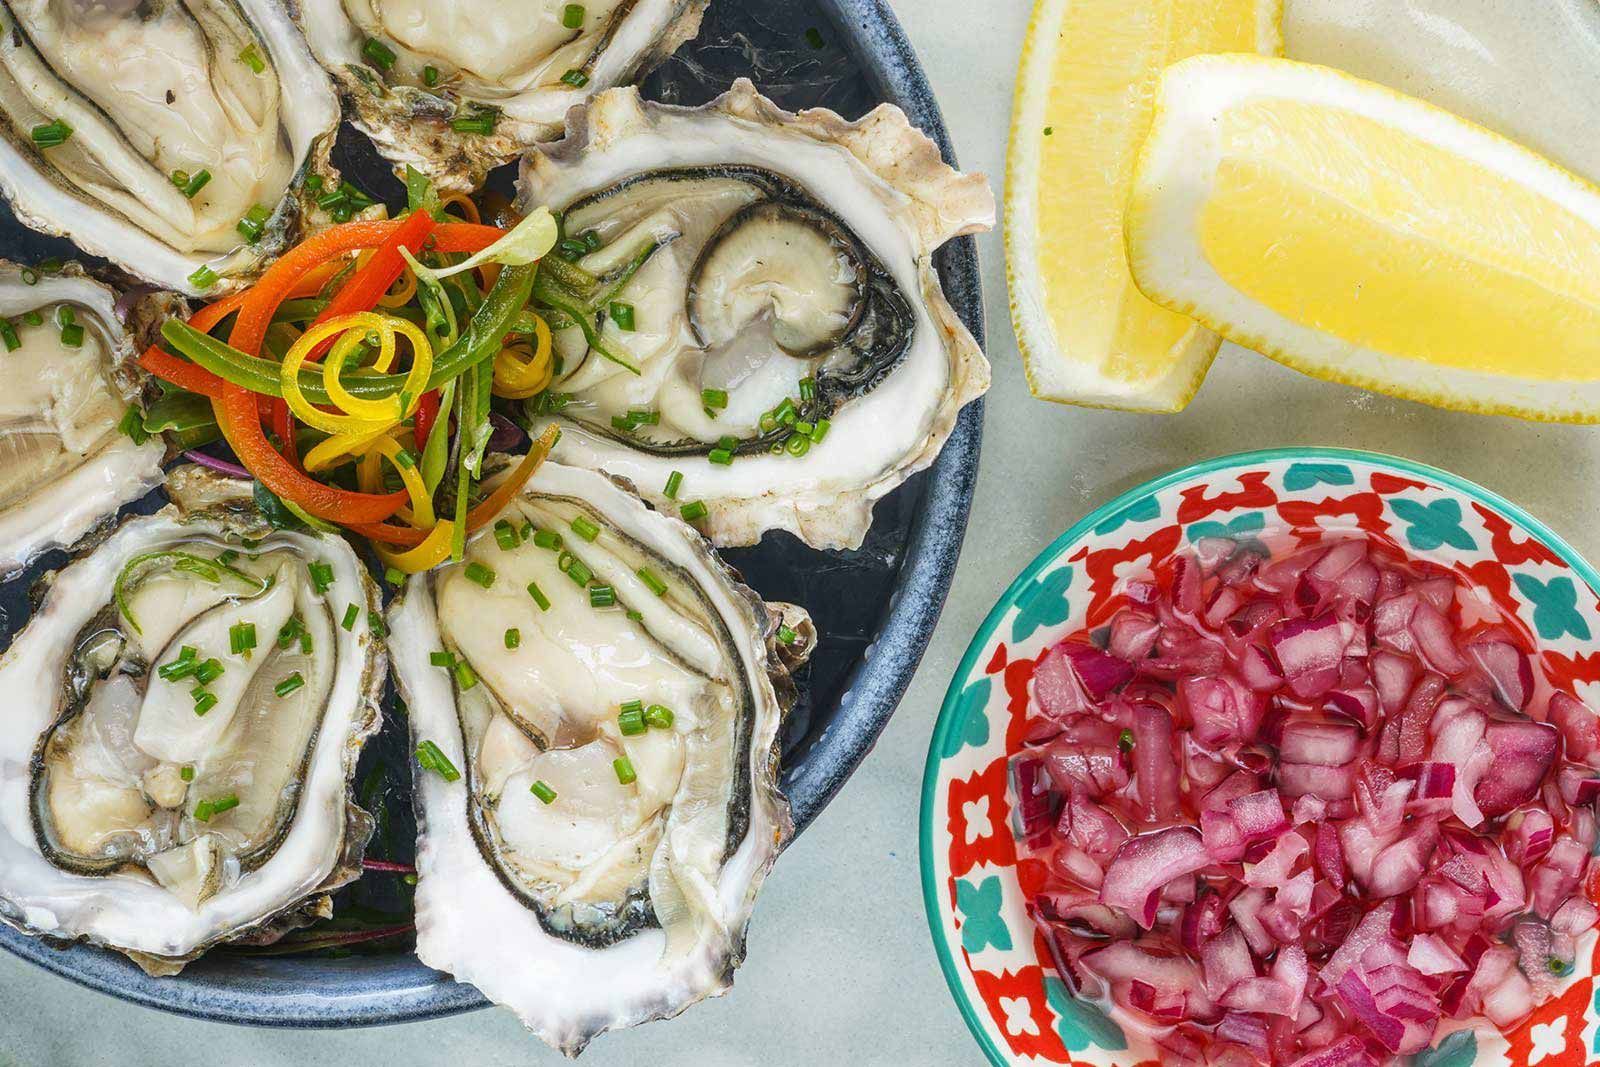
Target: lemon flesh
[[1369, 238], [1091, 69]]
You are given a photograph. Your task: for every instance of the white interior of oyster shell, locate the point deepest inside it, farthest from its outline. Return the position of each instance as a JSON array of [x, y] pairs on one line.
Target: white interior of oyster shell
[[69, 396], [469, 924], [876, 440], [116, 197], [130, 911]]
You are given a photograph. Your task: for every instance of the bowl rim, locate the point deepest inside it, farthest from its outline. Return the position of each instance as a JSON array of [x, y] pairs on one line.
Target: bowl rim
[[410, 991], [946, 722]]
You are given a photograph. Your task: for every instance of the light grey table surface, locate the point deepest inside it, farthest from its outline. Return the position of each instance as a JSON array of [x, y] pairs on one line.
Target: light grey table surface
[[841, 970]]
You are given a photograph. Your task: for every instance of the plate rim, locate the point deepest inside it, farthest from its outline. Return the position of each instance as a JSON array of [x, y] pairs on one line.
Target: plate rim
[[415, 992], [945, 724]]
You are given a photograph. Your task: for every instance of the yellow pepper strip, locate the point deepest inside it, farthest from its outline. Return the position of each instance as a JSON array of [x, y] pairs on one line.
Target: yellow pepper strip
[[389, 408], [358, 325], [519, 378], [434, 550], [370, 473], [329, 451]]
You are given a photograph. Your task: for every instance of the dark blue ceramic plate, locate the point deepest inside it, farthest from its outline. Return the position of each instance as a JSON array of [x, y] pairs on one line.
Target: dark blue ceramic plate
[[875, 607]]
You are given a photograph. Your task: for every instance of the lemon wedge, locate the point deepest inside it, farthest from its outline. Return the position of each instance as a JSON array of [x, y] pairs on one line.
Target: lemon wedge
[[1366, 237], [1084, 102]]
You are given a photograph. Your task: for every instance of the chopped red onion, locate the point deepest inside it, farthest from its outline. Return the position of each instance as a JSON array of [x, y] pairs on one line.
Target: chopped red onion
[[1442, 789]]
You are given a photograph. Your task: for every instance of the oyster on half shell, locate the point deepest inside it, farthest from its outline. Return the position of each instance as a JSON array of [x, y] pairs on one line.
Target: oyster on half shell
[[111, 111], [65, 351], [605, 713], [457, 87], [184, 711], [796, 358]]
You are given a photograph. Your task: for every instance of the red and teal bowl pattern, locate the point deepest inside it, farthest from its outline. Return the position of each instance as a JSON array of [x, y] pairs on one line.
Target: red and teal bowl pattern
[[974, 881]]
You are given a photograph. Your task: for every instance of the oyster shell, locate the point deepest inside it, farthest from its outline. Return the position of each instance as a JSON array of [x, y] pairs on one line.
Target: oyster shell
[[165, 783], [155, 93], [622, 893], [766, 259], [64, 465], [420, 73]]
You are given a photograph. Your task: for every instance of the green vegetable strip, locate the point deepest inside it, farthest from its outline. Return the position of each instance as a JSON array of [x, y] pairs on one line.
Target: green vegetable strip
[[480, 342]]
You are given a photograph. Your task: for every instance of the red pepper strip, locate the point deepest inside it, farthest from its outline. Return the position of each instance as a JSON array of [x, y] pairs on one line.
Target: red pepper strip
[[483, 512], [181, 372], [241, 426], [427, 413], [464, 237]]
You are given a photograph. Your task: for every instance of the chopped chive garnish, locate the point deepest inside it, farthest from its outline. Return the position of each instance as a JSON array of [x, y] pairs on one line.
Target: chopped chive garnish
[[585, 529], [622, 315], [505, 535], [659, 716], [177, 670], [538, 596], [814, 38], [289, 631], [481, 122], [466, 677], [653, 581], [577, 571], [51, 134], [313, 182], [513, 637], [205, 809], [693, 511], [65, 315], [543, 792], [252, 59], [728, 443], [575, 78], [623, 423], [186, 773], [203, 278], [8, 333], [714, 398], [720, 456], [634, 616], [351, 614], [289, 684], [31, 277], [819, 431], [403, 458], [375, 623], [209, 671], [674, 481], [526, 531], [803, 427], [624, 768], [241, 638], [1125, 741], [631, 705], [547, 539], [786, 635], [808, 389], [798, 444], [478, 574], [190, 184], [321, 575], [253, 224], [572, 18], [442, 659], [188, 652], [602, 596], [72, 335], [430, 76], [132, 424], [204, 702], [631, 720], [431, 759], [378, 54], [394, 576], [227, 556]]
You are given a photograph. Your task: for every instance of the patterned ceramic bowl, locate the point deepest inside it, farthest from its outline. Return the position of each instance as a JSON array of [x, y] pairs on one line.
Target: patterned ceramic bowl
[[997, 967]]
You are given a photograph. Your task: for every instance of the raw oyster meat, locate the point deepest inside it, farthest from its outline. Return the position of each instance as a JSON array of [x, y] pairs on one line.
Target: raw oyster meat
[[457, 87], [65, 351], [113, 110], [184, 712], [795, 358], [601, 720]]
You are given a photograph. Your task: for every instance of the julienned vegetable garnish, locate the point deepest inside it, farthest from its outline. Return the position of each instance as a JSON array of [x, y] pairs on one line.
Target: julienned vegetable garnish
[[1316, 804], [356, 379]]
